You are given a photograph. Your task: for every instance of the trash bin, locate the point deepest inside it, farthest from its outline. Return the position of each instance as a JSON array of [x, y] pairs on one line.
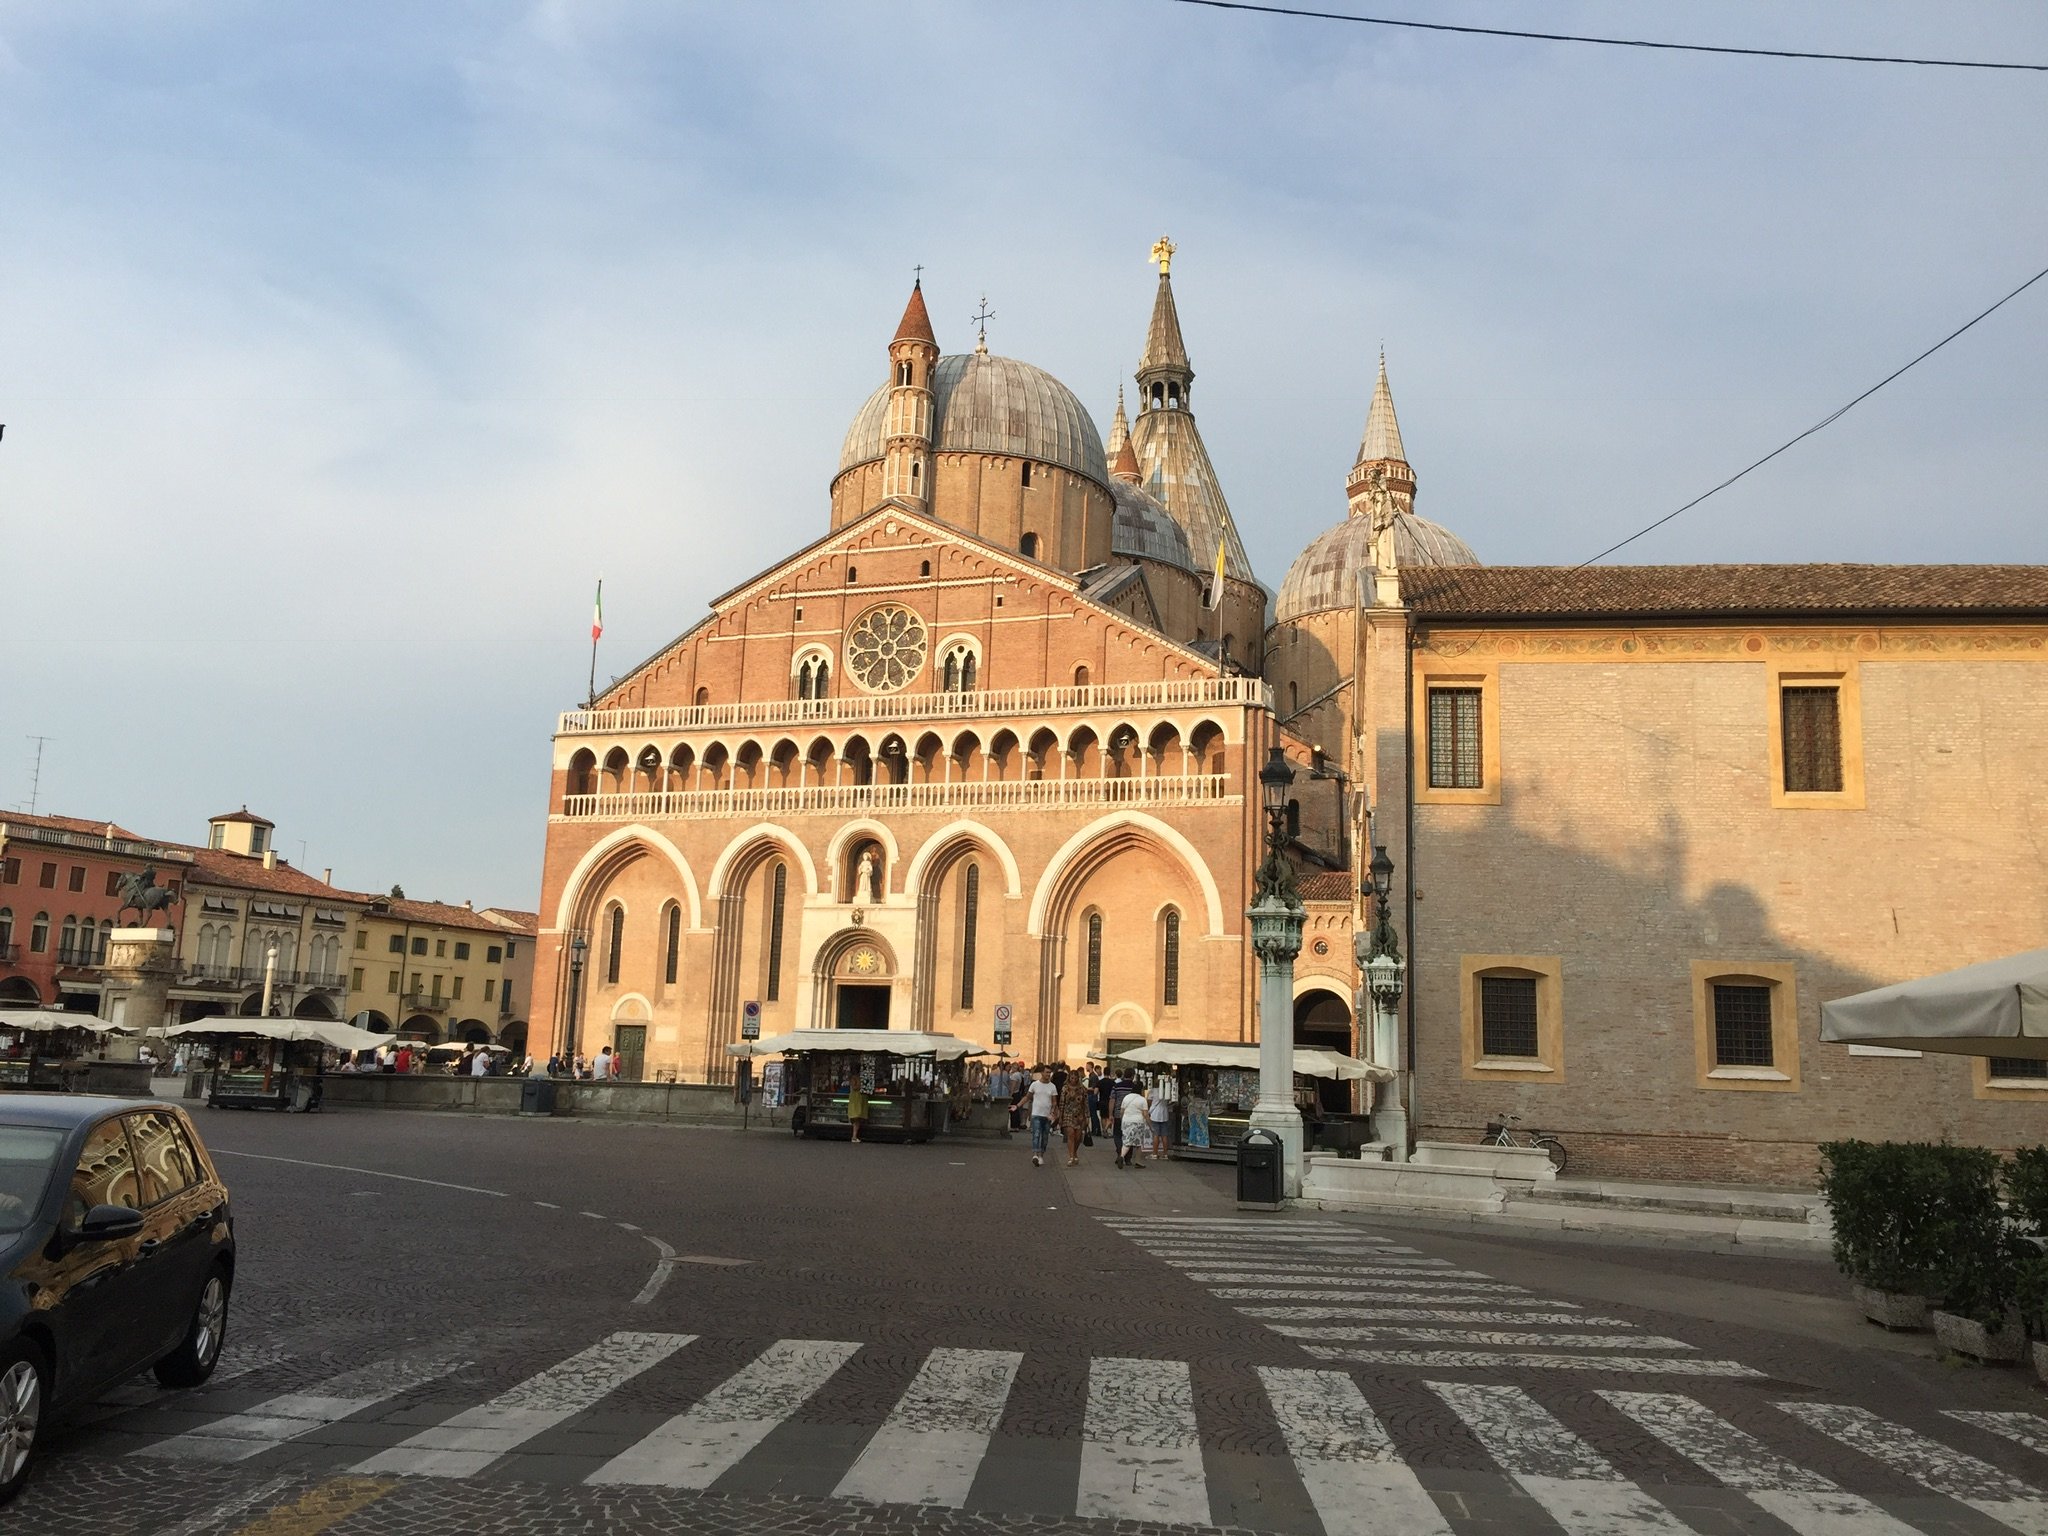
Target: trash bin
[[537, 1096], [1261, 1171]]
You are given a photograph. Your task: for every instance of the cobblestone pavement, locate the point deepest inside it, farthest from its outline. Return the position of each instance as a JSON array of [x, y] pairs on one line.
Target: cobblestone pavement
[[451, 1324]]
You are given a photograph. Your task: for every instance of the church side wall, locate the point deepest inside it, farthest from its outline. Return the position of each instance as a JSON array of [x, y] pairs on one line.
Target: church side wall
[[1635, 853]]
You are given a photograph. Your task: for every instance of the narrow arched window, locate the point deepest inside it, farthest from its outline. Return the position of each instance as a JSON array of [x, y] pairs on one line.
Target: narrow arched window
[[1027, 472], [902, 373], [952, 677], [6, 928], [803, 681], [1092, 988], [970, 919], [616, 941], [674, 945], [778, 892], [39, 934], [67, 945], [1029, 545], [1170, 962], [967, 673], [924, 567], [823, 677]]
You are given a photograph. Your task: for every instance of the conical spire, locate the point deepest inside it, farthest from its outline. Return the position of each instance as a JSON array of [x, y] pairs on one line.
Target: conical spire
[[1165, 353], [916, 324], [1382, 439], [1123, 464], [1119, 429]]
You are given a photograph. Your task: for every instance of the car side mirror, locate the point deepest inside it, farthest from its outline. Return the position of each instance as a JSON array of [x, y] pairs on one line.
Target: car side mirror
[[106, 1223]]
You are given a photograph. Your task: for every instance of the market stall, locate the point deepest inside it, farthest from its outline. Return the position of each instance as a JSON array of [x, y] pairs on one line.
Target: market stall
[[1214, 1086], [50, 1050], [271, 1063], [914, 1081]]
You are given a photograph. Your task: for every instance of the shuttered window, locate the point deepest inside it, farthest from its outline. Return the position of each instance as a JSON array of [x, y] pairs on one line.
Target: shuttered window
[[1742, 1026], [1454, 737], [1812, 720], [1507, 1016]]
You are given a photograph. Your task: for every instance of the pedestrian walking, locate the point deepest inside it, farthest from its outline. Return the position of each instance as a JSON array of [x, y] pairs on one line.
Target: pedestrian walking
[[601, 1069], [856, 1106], [1131, 1122], [1043, 1100], [1020, 1090], [1073, 1113], [1162, 1117], [1094, 1096]]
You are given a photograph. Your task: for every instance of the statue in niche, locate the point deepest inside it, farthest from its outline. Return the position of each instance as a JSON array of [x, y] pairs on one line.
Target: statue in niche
[[867, 876]]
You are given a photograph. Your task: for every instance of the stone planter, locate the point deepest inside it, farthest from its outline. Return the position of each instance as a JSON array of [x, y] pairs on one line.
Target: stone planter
[[1892, 1309], [2041, 1362], [1960, 1336]]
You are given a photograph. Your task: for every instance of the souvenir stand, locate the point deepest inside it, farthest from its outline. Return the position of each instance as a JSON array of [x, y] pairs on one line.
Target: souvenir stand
[[271, 1063], [1215, 1086], [914, 1081], [50, 1050]]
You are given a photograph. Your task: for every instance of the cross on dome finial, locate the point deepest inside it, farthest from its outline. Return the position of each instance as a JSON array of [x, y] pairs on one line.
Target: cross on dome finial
[[1162, 252], [917, 276], [981, 319]]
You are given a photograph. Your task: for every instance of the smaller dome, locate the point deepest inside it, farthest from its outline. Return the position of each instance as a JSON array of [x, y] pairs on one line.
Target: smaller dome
[[1326, 574], [987, 404], [1145, 530]]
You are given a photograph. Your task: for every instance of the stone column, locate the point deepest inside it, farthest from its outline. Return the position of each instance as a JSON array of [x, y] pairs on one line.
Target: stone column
[[138, 972], [1276, 939]]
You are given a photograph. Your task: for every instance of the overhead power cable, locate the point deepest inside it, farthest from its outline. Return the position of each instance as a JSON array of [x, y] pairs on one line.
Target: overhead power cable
[[1605, 42], [1827, 420]]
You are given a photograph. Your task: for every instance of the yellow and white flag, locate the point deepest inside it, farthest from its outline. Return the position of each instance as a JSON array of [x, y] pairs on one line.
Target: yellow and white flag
[[1216, 583]]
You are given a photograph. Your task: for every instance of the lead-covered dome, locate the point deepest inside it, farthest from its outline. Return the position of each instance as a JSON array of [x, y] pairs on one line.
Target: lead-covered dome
[[982, 403], [1326, 574], [1144, 530]]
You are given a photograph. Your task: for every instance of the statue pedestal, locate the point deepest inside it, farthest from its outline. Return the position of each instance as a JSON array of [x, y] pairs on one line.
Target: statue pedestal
[[138, 972]]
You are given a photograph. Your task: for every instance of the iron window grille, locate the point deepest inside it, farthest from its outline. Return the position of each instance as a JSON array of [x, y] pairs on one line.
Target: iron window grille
[[1507, 1016], [1742, 1026], [1455, 757], [1811, 718]]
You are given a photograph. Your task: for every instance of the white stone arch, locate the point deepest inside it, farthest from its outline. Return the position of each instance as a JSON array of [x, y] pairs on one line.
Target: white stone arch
[[853, 830], [1340, 987], [1169, 837], [622, 1010], [913, 877], [721, 871], [600, 853], [1116, 1015]]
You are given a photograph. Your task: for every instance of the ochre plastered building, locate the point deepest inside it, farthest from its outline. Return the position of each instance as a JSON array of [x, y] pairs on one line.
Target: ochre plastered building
[[994, 739]]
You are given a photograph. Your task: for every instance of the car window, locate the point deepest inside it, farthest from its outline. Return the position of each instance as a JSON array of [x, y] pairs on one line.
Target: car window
[[105, 1174], [28, 1154], [162, 1154]]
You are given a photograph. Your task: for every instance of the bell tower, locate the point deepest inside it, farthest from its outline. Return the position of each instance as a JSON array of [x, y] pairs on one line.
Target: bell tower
[[907, 438]]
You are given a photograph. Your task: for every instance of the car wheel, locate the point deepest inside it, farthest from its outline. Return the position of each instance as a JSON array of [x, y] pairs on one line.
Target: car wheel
[[199, 1351], [23, 1382]]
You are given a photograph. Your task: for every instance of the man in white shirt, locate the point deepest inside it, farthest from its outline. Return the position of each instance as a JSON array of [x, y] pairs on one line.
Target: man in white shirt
[[479, 1064], [601, 1069], [1041, 1098]]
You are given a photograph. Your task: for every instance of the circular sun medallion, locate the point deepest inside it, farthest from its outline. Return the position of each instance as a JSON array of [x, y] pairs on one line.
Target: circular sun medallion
[[864, 962], [885, 648]]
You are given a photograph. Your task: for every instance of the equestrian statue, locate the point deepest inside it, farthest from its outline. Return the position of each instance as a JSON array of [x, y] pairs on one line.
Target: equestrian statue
[[142, 895]]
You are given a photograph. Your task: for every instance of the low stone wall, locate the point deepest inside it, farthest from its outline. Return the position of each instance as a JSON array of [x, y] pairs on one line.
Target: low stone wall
[[697, 1103]]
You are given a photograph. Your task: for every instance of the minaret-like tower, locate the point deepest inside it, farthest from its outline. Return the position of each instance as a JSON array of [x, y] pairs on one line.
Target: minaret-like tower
[[1119, 430], [907, 442], [1381, 457], [1165, 376]]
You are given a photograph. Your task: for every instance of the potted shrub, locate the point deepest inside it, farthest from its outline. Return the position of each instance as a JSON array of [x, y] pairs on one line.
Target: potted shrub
[[1884, 1198], [2026, 1193], [1977, 1316]]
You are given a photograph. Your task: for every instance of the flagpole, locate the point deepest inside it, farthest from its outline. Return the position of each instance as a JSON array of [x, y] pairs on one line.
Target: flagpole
[[596, 629]]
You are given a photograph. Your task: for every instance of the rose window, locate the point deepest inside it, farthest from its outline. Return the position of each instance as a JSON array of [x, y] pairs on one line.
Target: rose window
[[885, 648]]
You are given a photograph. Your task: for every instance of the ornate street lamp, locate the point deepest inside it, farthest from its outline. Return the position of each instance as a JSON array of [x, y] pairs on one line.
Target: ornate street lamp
[[577, 949], [1277, 918], [1379, 959]]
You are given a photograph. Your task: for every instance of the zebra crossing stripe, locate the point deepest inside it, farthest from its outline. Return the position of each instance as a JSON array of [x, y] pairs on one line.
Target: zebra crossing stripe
[[931, 1445], [1519, 1360], [1964, 1478], [1376, 1335], [478, 1436], [698, 1445], [1307, 1274], [1492, 1313], [1575, 1485], [1453, 1294], [2028, 1429], [290, 1414], [1140, 1456], [1353, 1475], [1802, 1499]]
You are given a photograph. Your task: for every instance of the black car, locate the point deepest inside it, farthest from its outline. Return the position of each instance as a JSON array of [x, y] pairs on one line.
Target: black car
[[117, 1254]]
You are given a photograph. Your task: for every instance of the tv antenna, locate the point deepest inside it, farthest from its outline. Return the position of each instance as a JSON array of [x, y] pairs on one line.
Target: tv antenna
[[35, 775]]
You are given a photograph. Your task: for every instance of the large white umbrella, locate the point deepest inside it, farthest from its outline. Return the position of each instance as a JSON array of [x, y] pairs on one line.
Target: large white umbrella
[[892, 1042], [1309, 1061], [1998, 1008], [343, 1037], [45, 1021]]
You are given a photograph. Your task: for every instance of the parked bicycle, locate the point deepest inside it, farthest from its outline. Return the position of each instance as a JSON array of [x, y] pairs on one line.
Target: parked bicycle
[[1501, 1133]]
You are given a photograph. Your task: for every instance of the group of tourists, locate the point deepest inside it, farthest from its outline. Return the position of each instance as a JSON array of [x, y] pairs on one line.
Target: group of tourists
[[1082, 1105], [607, 1066]]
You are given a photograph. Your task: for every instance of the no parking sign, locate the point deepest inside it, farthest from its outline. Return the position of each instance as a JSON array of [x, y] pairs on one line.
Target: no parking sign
[[750, 1021], [1002, 1023]]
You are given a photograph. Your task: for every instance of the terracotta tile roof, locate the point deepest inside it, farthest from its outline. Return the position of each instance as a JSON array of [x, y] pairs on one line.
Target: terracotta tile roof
[[916, 324], [1323, 885], [67, 824], [438, 913], [1714, 591], [244, 814], [217, 866], [510, 917]]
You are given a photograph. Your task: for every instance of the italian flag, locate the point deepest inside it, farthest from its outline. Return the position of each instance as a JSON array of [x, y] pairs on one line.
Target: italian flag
[[597, 613]]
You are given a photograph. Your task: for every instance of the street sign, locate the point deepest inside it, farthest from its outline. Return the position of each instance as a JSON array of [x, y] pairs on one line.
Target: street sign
[[1002, 1023], [750, 1021]]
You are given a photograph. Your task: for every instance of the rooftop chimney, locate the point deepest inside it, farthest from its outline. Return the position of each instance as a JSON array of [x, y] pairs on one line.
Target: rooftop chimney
[[327, 875], [270, 858]]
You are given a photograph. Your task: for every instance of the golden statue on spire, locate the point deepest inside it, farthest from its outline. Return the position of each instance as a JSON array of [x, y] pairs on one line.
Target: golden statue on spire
[[1162, 252]]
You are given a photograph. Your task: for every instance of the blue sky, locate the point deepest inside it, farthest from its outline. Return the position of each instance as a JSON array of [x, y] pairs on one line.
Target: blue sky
[[341, 347]]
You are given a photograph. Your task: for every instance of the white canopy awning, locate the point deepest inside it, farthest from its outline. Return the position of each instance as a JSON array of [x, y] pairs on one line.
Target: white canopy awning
[[331, 1032], [888, 1042], [1998, 1008], [45, 1021], [1309, 1061]]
